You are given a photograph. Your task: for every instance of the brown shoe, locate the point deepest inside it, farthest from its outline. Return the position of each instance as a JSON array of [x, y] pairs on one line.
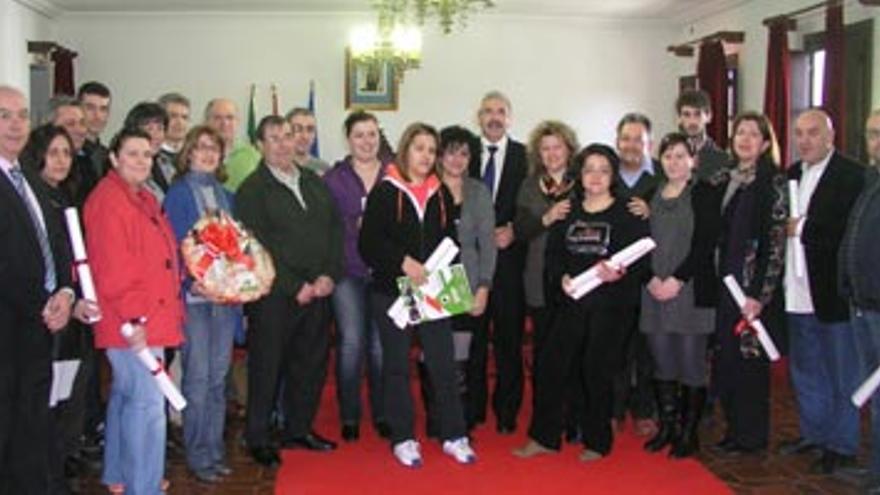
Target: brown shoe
[[531, 449], [590, 455]]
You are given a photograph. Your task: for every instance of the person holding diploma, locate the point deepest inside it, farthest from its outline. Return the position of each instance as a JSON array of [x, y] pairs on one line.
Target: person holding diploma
[[590, 330], [134, 261], [408, 214], [210, 326], [49, 152], [751, 198]]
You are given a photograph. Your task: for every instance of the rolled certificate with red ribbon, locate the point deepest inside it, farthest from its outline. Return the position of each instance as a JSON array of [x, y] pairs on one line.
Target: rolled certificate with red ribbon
[[866, 389], [163, 381], [759, 329], [794, 243], [80, 261], [587, 281]]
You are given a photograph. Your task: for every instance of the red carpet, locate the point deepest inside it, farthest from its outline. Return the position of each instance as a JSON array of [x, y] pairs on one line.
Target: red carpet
[[368, 467]]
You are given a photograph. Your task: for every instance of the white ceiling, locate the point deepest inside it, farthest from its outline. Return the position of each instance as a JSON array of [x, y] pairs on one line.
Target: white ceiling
[[612, 9]]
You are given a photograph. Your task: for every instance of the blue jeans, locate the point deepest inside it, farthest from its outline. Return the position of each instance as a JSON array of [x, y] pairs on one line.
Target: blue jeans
[[206, 355], [824, 372], [867, 328], [134, 448], [357, 337]]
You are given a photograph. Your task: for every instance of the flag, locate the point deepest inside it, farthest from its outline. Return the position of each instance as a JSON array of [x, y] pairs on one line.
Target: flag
[[252, 115], [311, 106], [274, 100]]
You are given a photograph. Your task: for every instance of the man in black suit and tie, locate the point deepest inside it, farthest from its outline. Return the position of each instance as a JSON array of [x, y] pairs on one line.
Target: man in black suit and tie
[[502, 166], [823, 364], [34, 300]]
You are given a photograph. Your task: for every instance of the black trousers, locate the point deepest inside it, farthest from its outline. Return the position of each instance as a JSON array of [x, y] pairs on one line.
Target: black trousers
[[436, 340], [743, 385], [593, 337], [25, 377], [634, 385], [290, 341], [504, 318]]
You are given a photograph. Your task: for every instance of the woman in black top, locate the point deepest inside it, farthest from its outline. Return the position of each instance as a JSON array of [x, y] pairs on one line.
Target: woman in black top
[[590, 329], [407, 216], [751, 200]]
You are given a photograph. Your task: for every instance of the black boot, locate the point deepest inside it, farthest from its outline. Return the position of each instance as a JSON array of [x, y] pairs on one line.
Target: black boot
[[427, 389], [667, 401], [688, 443]]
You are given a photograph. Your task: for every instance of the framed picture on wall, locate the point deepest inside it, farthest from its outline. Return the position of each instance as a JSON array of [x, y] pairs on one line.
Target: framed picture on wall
[[369, 86]]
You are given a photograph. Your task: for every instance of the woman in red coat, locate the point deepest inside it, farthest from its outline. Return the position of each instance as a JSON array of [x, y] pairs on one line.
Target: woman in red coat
[[133, 256]]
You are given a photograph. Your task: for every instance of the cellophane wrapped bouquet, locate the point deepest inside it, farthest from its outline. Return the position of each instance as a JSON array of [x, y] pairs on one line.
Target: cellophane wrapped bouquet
[[228, 262]]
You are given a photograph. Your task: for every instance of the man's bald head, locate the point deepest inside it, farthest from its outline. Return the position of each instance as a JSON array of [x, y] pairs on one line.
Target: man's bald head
[[14, 122], [814, 135], [221, 114]]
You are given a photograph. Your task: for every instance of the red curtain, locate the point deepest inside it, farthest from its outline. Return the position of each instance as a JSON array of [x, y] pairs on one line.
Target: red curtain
[[712, 78], [834, 88], [777, 85], [63, 59]]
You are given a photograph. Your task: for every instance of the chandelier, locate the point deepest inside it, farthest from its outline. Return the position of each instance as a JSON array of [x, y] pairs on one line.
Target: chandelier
[[409, 12], [396, 40]]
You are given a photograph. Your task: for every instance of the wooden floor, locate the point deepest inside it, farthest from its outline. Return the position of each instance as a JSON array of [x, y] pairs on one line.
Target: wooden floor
[[756, 474]]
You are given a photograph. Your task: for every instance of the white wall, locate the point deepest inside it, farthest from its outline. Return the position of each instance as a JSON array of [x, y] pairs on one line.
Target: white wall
[[18, 25], [753, 57], [585, 72]]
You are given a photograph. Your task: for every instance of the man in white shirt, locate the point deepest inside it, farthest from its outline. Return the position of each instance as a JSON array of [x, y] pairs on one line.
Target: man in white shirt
[[823, 367]]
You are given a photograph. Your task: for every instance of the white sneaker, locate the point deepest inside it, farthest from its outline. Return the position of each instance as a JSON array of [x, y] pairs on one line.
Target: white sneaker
[[460, 450], [408, 453]]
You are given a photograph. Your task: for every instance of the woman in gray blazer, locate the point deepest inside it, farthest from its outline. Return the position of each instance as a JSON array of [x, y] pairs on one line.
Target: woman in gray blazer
[[474, 219]]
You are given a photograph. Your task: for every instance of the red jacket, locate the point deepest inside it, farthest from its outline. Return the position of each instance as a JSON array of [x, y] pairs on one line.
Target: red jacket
[[133, 256]]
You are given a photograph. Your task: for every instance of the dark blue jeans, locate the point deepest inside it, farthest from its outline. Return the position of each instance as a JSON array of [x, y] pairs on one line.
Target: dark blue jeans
[[867, 327], [206, 355], [357, 338], [824, 372]]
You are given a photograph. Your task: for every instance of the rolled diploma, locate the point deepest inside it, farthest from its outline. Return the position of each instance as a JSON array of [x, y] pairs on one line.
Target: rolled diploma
[[794, 243], [587, 281], [442, 256], [763, 336], [866, 389], [83, 272], [163, 381]]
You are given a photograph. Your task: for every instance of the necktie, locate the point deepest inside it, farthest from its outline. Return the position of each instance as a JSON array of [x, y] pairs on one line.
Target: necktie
[[49, 281], [489, 172]]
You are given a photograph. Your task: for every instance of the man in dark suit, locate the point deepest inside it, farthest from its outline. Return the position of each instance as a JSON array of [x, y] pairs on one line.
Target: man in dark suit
[[34, 300], [823, 364], [501, 165]]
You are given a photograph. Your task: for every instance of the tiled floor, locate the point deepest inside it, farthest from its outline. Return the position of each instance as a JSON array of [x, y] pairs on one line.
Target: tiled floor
[[764, 474]]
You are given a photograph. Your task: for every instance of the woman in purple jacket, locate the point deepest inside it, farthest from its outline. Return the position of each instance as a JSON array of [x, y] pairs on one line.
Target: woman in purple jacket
[[350, 181]]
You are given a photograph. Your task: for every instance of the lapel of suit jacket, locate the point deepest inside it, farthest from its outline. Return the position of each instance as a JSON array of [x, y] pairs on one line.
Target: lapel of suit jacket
[[826, 187], [19, 208]]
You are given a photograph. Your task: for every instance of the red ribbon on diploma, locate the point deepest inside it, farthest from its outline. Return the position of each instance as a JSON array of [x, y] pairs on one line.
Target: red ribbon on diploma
[[743, 326]]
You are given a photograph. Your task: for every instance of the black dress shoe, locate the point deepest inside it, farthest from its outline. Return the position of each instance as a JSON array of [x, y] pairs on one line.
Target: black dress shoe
[[207, 476], [382, 429], [351, 433], [831, 461], [266, 456], [310, 441], [799, 445], [724, 444]]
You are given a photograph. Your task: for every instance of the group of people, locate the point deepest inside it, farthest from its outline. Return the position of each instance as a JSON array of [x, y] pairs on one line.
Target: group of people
[[661, 338]]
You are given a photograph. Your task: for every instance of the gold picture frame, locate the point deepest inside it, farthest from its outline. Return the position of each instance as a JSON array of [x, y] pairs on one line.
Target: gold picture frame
[[369, 86]]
